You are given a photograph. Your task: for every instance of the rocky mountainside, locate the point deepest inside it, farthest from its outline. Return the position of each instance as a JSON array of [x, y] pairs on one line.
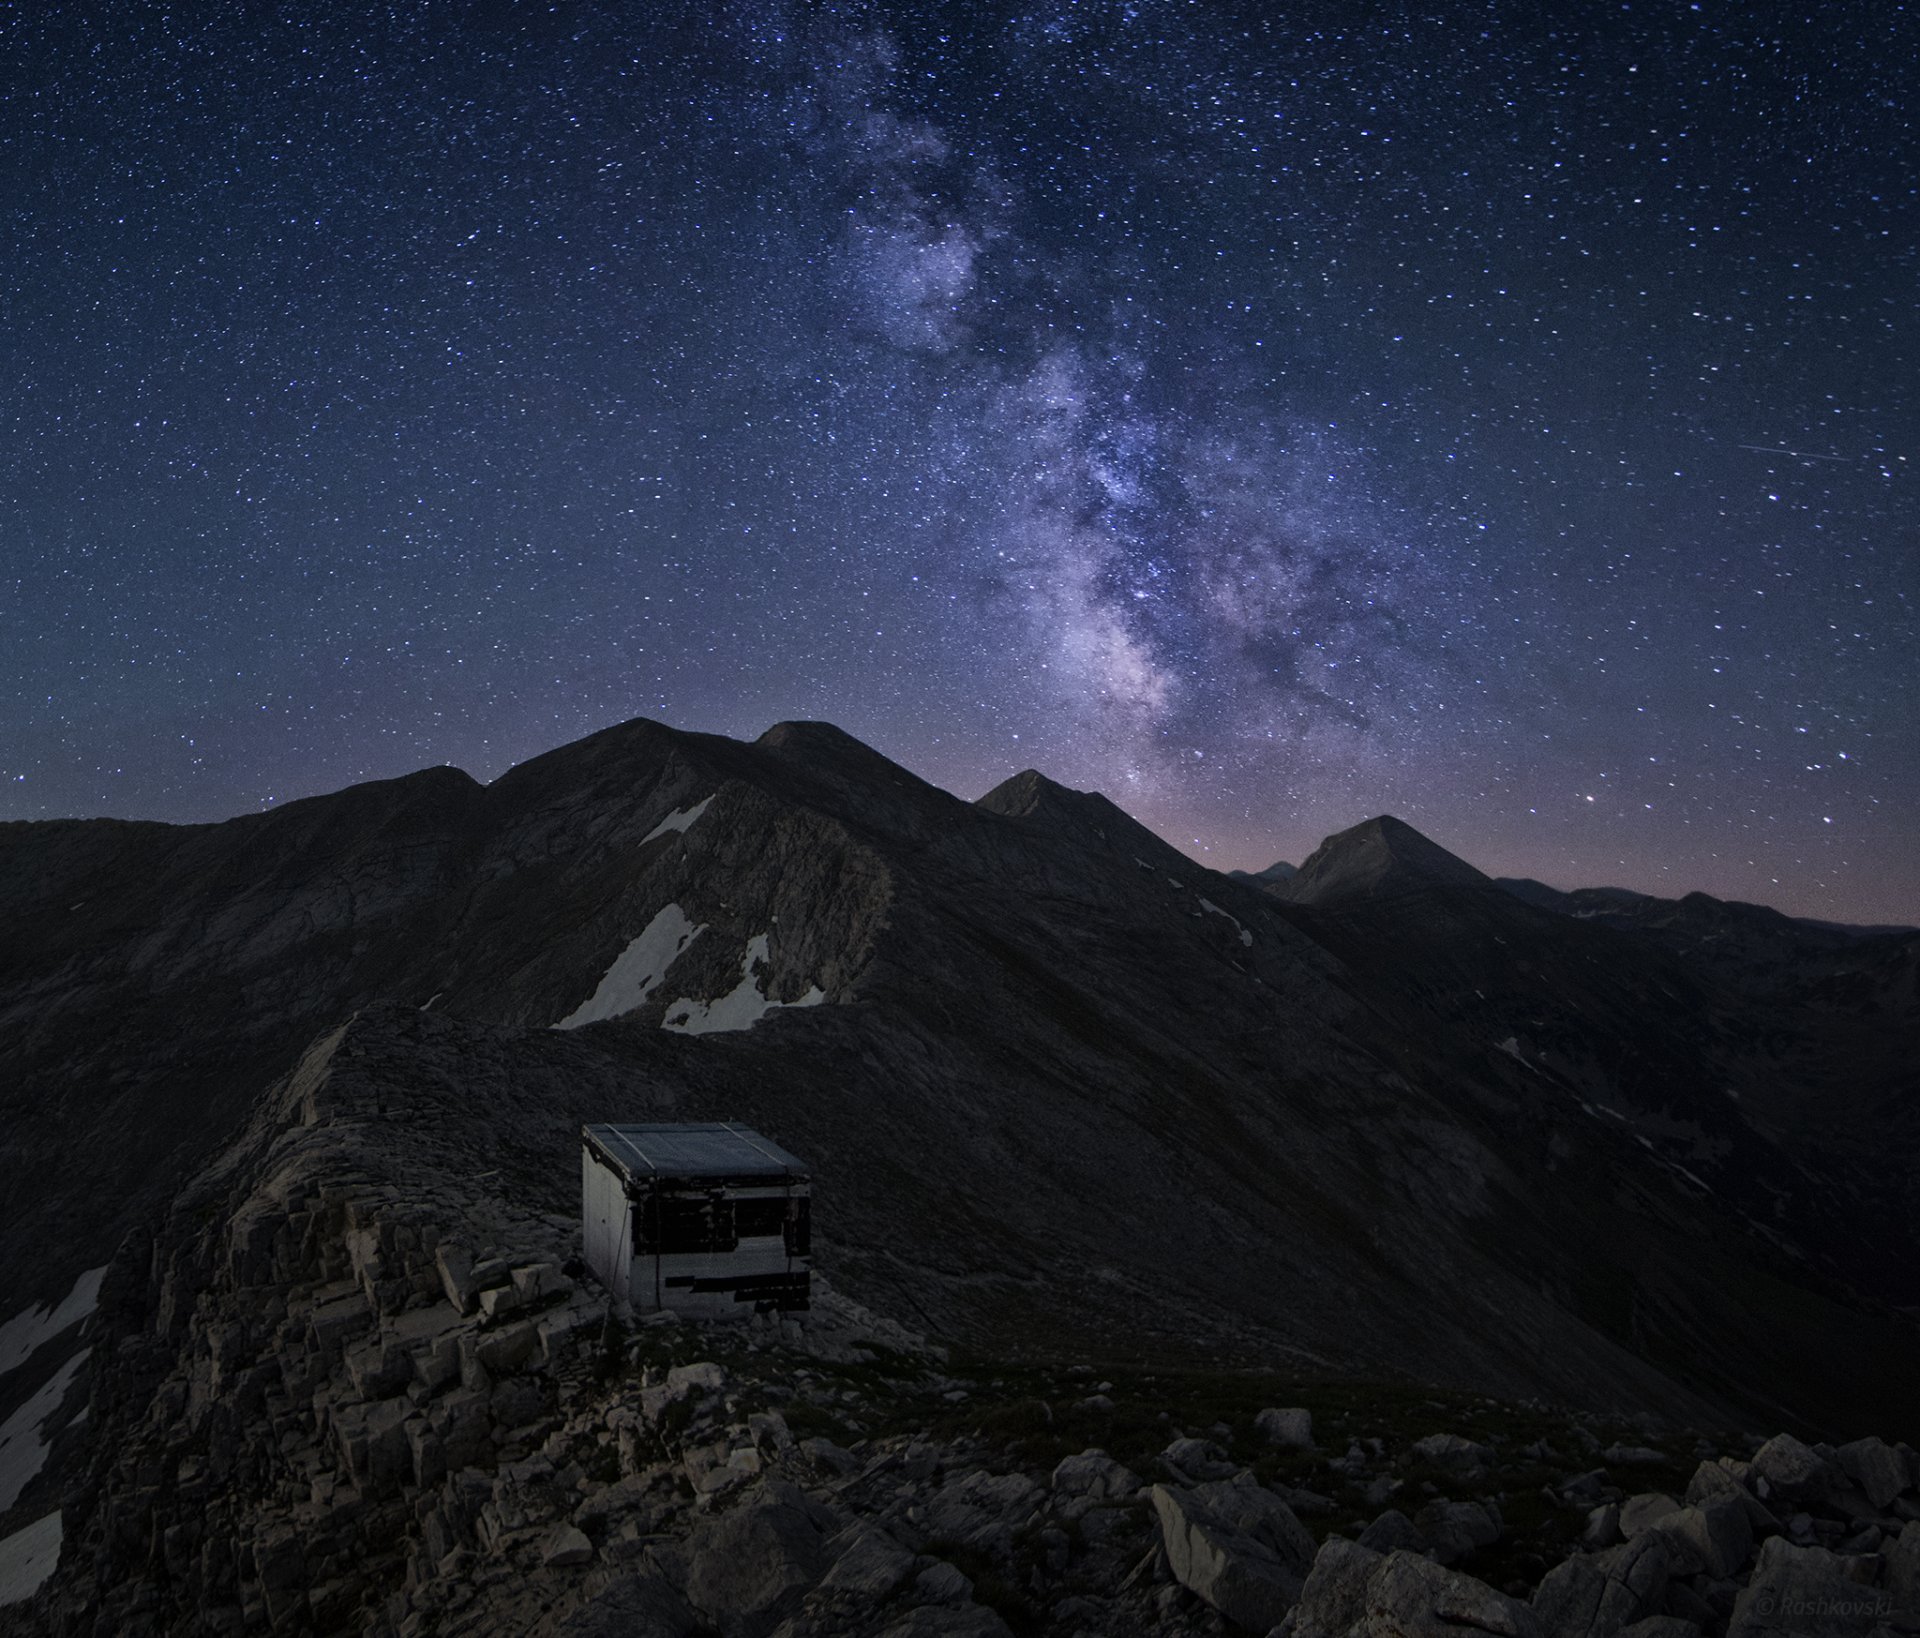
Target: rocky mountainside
[[349, 1384], [1066, 1094]]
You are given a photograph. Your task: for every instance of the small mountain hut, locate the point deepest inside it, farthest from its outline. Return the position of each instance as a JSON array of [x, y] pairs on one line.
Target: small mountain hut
[[710, 1219]]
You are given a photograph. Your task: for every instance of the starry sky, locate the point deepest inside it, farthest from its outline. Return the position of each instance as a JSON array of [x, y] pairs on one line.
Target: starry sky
[[1501, 416]]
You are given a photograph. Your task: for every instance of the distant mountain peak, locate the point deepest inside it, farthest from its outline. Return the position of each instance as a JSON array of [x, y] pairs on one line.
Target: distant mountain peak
[[1379, 855]]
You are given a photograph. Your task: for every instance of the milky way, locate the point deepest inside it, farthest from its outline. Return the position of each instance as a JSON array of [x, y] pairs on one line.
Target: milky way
[[1268, 417]]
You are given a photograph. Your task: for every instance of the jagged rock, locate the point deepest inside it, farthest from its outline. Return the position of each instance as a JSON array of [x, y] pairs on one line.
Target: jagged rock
[[1334, 1595], [1785, 1470], [1901, 1556], [1590, 1595], [748, 1569], [567, 1546], [827, 1454], [1713, 1538], [1876, 1467], [1291, 1429], [1412, 1597], [1803, 1592], [1661, 1626], [941, 1583], [1642, 1512], [868, 1562], [1095, 1474], [1454, 1529], [1393, 1532], [1632, 1456], [1212, 1555], [1603, 1528]]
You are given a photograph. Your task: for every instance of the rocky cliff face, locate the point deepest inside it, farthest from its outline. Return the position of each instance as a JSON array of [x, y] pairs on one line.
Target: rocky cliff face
[[1065, 1094]]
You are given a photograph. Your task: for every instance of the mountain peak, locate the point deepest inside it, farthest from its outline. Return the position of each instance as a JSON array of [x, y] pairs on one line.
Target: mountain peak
[[1376, 856]]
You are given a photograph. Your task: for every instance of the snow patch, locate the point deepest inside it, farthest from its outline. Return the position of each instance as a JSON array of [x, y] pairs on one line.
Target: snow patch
[[741, 1007], [1208, 904], [22, 1334], [22, 1454], [637, 969], [681, 819], [1511, 1047], [27, 1558]]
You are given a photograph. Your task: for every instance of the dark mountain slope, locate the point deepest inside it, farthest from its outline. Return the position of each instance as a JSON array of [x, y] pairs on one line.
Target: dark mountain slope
[[1065, 1089]]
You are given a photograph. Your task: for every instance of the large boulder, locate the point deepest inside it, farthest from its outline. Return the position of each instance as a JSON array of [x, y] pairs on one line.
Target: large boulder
[[1413, 1597], [1717, 1479], [1096, 1475], [1592, 1595], [1902, 1574], [748, 1569], [1290, 1428], [1876, 1467], [1454, 1529], [869, 1563], [1334, 1597], [1805, 1592], [1713, 1538], [1214, 1555], [1785, 1470]]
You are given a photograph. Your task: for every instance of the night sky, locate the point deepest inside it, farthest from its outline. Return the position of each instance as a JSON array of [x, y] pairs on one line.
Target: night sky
[[1271, 416]]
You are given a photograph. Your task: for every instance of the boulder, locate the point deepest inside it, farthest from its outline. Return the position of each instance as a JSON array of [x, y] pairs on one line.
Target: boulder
[[1805, 1592], [1412, 1597], [1242, 1577], [1393, 1532], [567, 1546], [1661, 1626], [1450, 1450], [1290, 1429], [1592, 1594], [1603, 1528], [1642, 1512], [1094, 1474], [1454, 1529], [1334, 1596], [748, 1569], [1717, 1479], [1901, 1556], [1876, 1467], [1785, 1470], [943, 1583], [1713, 1538], [869, 1563]]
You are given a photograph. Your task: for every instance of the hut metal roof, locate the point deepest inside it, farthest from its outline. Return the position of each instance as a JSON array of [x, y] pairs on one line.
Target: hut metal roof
[[692, 1149]]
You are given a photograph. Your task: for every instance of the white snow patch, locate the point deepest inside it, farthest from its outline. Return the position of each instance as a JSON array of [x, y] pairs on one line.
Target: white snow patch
[[33, 1326], [1208, 904], [681, 819], [28, 1557], [21, 1453], [741, 1007], [1703, 1187], [1511, 1047], [637, 969]]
